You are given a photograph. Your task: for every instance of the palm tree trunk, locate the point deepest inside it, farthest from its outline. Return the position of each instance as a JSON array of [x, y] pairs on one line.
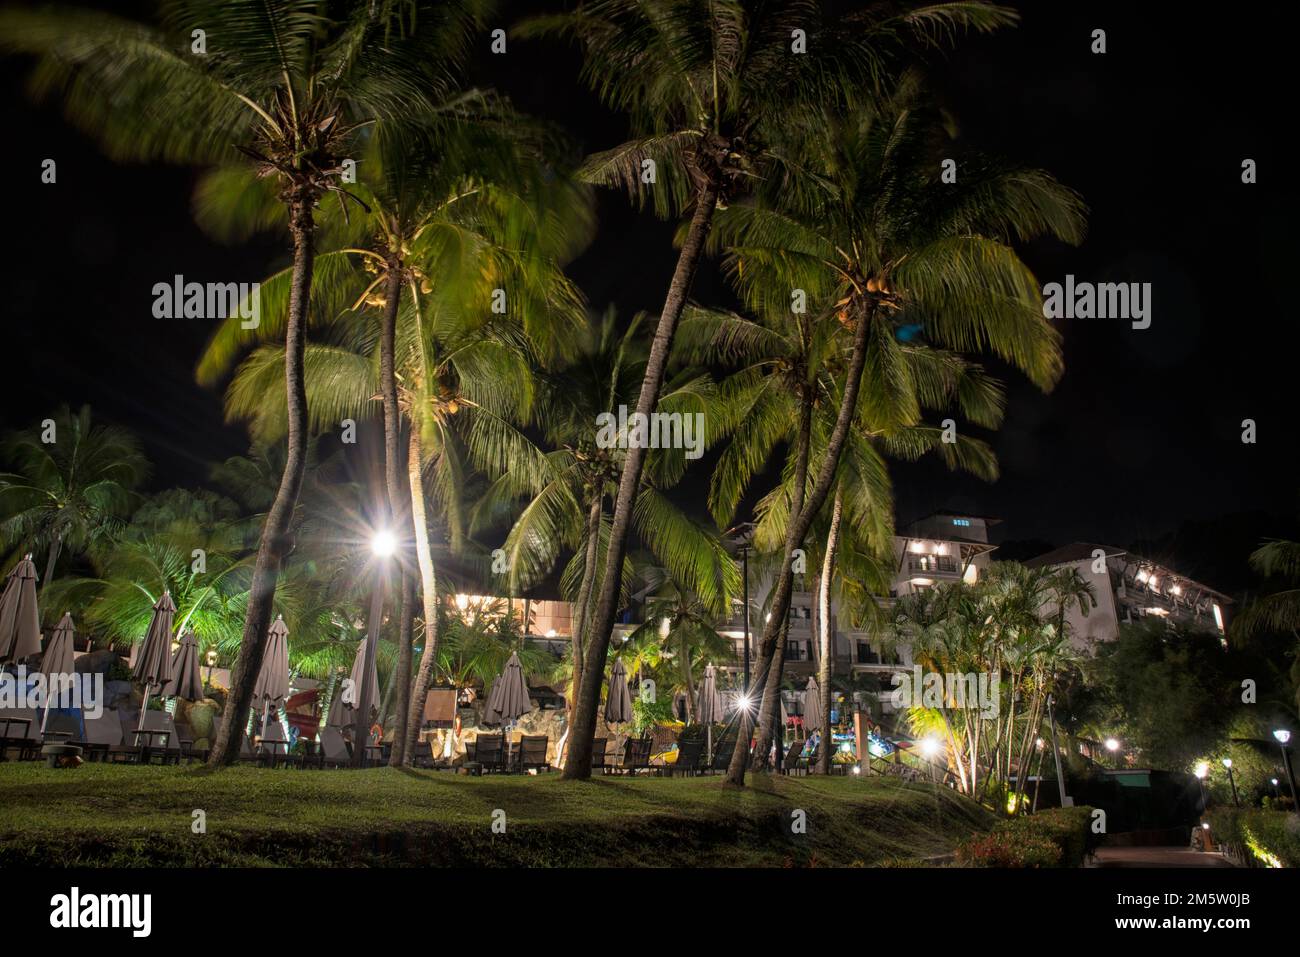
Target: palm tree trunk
[[56, 546], [402, 672], [773, 643], [596, 641], [689, 678], [824, 624], [276, 541], [578, 628], [429, 588]]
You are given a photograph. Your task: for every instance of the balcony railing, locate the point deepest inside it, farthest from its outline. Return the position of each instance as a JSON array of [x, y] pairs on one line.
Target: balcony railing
[[933, 566]]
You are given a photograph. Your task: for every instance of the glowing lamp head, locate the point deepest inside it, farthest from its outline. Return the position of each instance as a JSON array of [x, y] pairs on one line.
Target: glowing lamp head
[[1275, 782], [1202, 769], [929, 747], [1282, 735], [1227, 762], [383, 544], [1112, 744], [212, 657]]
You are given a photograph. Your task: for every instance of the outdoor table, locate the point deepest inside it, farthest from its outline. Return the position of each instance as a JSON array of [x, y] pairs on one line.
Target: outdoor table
[[54, 750]]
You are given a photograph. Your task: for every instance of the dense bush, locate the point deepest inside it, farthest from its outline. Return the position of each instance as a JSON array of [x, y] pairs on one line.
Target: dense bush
[[1260, 838], [1059, 837]]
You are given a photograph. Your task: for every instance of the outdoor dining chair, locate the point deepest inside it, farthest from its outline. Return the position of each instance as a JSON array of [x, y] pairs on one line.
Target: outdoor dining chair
[[532, 752]]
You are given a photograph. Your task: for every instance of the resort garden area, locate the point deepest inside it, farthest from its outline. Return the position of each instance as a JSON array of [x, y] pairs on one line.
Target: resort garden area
[[555, 437]]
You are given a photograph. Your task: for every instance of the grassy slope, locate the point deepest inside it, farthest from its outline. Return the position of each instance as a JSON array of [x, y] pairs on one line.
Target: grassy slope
[[133, 816]]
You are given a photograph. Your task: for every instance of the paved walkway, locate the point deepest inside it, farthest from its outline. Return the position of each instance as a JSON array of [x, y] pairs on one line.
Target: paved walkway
[[1158, 857]]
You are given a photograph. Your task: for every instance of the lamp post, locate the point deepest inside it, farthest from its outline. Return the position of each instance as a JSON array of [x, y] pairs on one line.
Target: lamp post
[[1283, 736], [1202, 769], [1227, 763], [1056, 753], [383, 545], [212, 663]]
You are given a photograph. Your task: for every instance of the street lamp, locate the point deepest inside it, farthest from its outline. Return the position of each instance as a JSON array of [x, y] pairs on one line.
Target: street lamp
[[1283, 736], [1227, 763], [1202, 769], [1112, 745], [212, 663], [383, 544]]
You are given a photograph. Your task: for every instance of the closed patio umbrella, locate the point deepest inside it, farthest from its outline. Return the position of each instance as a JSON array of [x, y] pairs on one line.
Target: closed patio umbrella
[[618, 701], [358, 666], [512, 702], [20, 621], [57, 661], [337, 717], [492, 708], [153, 659], [186, 681], [812, 709], [709, 707], [272, 685]]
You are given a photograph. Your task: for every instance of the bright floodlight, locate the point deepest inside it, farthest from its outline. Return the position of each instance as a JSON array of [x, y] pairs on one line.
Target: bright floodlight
[[1112, 744], [742, 703], [1227, 762], [383, 544], [1202, 770], [1282, 735], [929, 747]]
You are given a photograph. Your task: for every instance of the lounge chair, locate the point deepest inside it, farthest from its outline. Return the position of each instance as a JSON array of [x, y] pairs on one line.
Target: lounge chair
[[598, 747], [334, 751], [635, 756], [793, 757], [489, 752], [690, 753], [532, 752], [20, 734], [722, 752], [103, 738]]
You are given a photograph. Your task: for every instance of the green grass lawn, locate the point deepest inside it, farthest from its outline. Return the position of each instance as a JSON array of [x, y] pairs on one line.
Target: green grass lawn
[[142, 816]]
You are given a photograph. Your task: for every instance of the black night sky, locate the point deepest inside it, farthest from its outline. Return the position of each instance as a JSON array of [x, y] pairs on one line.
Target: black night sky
[[1141, 437]]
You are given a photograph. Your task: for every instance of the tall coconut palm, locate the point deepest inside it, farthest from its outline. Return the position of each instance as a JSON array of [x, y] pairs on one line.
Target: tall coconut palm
[[1278, 611], [716, 93], [894, 253], [71, 483], [287, 83], [568, 507]]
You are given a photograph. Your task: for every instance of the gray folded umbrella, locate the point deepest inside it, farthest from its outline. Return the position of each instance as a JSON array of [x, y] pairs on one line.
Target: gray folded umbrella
[[358, 666], [618, 701], [57, 661], [492, 708], [186, 682], [708, 709], [512, 703], [153, 659], [20, 621], [337, 717], [272, 685], [812, 708]]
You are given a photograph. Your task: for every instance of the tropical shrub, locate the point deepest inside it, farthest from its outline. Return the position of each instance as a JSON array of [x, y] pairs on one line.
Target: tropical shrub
[[1057, 837], [1261, 838]]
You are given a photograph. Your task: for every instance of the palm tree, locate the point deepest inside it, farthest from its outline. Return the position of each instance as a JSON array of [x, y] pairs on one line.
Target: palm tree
[[69, 491], [1280, 610], [676, 640], [895, 254], [565, 504], [287, 83], [716, 94]]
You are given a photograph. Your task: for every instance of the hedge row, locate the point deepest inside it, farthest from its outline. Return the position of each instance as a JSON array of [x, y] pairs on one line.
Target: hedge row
[[1260, 838], [1057, 837]]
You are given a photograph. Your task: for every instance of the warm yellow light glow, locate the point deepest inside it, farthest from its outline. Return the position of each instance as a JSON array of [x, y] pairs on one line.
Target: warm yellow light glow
[[1202, 769], [930, 746], [462, 602], [383, 543]]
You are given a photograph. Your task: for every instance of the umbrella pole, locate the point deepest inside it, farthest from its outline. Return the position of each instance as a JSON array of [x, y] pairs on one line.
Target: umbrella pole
[[708, 735]]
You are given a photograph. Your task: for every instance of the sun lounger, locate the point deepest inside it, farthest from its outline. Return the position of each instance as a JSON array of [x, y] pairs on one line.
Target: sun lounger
[[532, 752], [489, 752], [598, 747], [20, 735], [334, 752], [635, 756], [690, 753], [722, 752]]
